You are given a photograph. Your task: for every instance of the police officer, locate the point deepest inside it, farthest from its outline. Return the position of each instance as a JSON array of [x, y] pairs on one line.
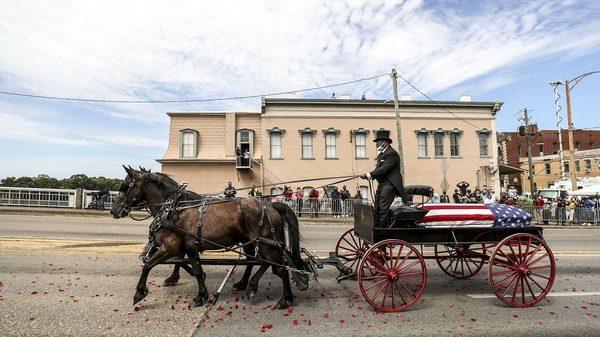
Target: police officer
[[389, 179]]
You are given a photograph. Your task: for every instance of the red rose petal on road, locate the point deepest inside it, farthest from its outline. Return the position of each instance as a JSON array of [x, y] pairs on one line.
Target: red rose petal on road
[[31, 318]]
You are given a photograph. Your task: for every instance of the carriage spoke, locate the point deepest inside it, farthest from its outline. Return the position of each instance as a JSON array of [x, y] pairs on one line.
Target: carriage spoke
[[536, 260], [410, 252], [514, 294], [408, 290], [542, 276], [498, 284], [399, 293], [385, 294], [537, 284], [522, 290], [408, 266], [374, 277], [546, 266], [374, 284], [380, 289], [526, 255], [509, 285], [417, 283], [537, 249], [398, 257], [529, 287]]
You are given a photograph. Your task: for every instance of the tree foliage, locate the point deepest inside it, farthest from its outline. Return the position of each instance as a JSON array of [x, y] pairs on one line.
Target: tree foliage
[[75, 181]]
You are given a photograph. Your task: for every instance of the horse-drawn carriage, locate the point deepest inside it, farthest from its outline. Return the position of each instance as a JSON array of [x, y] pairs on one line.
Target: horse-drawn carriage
[[390, 270], [389, 263]]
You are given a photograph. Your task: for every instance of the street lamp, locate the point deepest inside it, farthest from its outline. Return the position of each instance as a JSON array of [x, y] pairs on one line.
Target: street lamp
[[575, 80]]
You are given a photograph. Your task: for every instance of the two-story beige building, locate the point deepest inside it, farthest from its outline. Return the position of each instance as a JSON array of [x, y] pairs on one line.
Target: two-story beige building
[[291, 138]]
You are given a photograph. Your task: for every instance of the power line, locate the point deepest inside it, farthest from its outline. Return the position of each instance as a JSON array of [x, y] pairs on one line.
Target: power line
[[593, 127], [195, 100], [436, 103]]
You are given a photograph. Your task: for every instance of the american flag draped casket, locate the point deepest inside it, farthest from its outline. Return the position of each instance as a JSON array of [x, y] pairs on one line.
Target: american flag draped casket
[[474, 215]]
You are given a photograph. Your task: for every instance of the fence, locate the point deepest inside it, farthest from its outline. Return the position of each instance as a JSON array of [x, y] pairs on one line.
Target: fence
[[563, 216], [40, 197], [322, 206]]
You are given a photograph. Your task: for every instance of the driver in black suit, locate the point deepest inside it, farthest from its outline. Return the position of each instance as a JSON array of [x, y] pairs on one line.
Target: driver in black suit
[[389, 179]]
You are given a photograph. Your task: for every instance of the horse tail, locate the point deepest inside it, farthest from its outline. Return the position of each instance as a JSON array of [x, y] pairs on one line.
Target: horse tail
[[291, 222]]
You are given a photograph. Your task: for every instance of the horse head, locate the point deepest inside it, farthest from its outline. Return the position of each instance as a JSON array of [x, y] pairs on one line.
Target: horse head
[[130, 192]]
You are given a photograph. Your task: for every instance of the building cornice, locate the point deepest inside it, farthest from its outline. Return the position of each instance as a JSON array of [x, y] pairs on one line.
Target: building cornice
[[210, 113]]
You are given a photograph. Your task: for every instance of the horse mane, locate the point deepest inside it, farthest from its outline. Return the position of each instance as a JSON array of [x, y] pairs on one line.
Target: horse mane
[[168, 185]]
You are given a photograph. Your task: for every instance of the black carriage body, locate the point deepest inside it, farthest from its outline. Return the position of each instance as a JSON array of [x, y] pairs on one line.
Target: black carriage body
[[365, 229]]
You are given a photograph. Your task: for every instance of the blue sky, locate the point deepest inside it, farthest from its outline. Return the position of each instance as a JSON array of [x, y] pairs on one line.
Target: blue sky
[[502, 50]]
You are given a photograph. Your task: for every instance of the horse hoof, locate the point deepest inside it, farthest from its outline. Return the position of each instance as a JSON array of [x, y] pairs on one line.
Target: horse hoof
[[199, 301], [170, 282], [140, 295], [240, 285], [283, 304]]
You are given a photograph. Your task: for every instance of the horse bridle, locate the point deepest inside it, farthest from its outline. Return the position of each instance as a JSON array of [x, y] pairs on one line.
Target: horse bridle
[[127, 206]]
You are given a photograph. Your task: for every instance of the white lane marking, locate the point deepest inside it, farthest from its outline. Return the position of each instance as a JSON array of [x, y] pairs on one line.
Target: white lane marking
[[553, 294]]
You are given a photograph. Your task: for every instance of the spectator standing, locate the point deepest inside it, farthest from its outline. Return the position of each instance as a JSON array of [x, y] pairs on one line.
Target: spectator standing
[[253, 193], [299, 200], [570, 210], [444, 198], [538, 209], [229, 191], [456, 197], [345, 195], [358, 197], [314, 203], [335, 203]]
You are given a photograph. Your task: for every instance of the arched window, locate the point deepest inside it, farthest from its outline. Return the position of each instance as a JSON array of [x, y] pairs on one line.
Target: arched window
[[189, 143]]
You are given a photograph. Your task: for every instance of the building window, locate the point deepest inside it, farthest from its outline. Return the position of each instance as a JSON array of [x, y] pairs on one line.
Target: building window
[[330, 145], [547, 165], [360, 145], [566, 166], [438, 144], [554, 148], [588, 165], [244, 147], [483, 144], [189, 141], [307, 145], [421, 144], [541, 148], [455, 144], [519, 150], [577, 166], [276, 145], [577, 145]]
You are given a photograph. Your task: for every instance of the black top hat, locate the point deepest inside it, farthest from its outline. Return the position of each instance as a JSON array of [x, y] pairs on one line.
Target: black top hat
[[382, 135]]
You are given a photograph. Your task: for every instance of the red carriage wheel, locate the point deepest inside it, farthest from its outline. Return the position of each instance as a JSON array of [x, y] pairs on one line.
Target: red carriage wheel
[[460, 261], [392, 275], [522, 270], [350, 248]]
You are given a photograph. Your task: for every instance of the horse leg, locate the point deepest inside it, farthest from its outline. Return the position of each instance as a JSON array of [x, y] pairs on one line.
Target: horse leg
[[200, 276], [174, 278], [253, 285], [243, 283], [288, 296], [160, 256]]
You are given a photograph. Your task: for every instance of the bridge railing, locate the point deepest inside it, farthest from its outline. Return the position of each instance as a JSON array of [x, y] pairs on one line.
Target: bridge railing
[[37, 197]]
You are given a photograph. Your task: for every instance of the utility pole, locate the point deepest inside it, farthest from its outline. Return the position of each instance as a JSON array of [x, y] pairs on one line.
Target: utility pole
[[394, 76], [530, 160], [572, 172]]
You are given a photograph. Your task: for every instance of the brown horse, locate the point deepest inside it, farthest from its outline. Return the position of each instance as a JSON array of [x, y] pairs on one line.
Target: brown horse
[[223, 224]]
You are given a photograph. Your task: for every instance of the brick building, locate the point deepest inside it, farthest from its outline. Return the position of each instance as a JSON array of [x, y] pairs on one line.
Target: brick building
[[512, 148]]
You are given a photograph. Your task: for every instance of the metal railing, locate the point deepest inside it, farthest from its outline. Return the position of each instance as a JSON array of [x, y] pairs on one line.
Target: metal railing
[[39, 197], [563, 215], [322, 206]]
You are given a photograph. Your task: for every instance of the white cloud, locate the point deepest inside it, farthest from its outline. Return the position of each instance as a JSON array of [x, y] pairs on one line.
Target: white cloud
[[175, 49], [135, 50]]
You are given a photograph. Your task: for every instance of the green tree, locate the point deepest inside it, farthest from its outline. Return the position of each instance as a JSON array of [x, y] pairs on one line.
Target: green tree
[[8, 182]]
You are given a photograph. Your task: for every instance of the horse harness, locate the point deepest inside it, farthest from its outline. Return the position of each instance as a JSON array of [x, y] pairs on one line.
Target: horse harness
[[168, 215]]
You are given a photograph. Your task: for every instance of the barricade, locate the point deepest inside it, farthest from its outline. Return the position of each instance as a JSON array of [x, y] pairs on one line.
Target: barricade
[[564, 216], [37, 197]]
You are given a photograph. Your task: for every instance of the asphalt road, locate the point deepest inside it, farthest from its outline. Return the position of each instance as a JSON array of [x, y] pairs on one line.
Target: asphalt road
[[63, 276]]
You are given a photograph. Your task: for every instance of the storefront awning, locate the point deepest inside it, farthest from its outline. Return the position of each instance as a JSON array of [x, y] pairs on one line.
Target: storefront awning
[[504, 169]]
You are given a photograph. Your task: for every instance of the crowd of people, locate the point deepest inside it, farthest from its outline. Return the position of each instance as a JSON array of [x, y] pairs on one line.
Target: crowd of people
[[567, 210]]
